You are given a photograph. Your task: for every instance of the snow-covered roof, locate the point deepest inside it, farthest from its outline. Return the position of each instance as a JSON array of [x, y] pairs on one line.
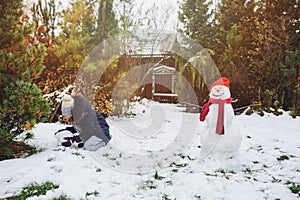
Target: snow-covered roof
[[163, 69]]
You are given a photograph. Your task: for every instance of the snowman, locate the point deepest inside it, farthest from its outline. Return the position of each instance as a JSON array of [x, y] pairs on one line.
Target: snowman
[[220, 136]]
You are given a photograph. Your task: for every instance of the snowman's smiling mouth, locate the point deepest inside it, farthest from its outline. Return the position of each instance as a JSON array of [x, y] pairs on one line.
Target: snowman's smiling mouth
[[218, 95]]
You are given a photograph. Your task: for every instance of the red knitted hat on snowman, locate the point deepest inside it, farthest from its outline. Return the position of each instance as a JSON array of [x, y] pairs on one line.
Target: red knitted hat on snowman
[[222, 81]]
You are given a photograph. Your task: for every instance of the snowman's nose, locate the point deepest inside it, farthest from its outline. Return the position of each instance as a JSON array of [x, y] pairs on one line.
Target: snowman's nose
[[218, 90]]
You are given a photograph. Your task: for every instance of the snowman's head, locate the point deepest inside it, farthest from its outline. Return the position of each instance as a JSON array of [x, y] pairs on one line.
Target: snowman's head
[[219, 92], [220, 89]]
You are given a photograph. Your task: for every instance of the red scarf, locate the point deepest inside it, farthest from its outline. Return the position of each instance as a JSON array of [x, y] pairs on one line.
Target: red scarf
[[220, 122]]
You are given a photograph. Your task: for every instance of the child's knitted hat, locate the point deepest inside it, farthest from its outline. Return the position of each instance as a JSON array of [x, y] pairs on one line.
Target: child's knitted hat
[[66, 106]]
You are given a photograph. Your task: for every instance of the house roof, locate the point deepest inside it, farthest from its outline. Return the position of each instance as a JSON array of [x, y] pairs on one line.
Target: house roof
[[163, 69]]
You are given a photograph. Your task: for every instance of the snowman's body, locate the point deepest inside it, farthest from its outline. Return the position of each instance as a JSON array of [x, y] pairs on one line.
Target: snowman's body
[[228, 143]]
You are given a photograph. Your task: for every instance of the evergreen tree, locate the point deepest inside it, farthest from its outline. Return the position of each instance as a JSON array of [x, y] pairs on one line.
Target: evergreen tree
[[227, 15], [235, 40], [107, 25], [277, 24], [197, 20], [291, 73], [21, 63]]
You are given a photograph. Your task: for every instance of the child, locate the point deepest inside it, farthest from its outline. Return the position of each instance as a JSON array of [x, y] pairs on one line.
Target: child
[[90, 124]]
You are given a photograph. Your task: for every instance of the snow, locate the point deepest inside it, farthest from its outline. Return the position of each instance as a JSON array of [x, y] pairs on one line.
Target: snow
[[162, 138]]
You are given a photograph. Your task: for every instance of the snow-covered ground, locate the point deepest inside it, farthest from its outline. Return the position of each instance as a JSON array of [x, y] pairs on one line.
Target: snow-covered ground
[[156, 155]]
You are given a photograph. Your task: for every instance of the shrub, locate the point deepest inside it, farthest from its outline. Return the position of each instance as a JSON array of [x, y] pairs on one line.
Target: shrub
[[22, 107]]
